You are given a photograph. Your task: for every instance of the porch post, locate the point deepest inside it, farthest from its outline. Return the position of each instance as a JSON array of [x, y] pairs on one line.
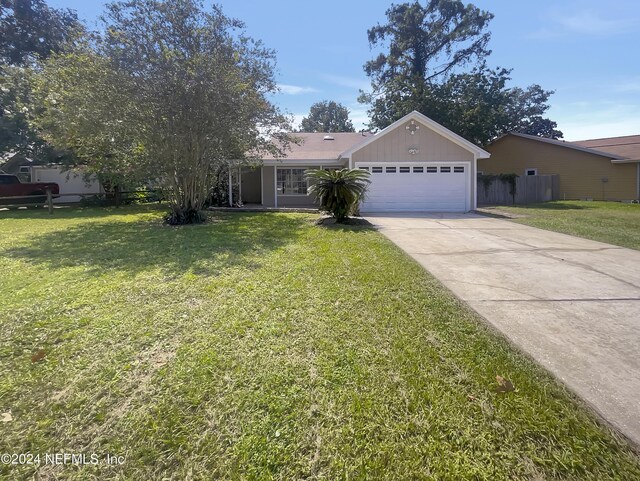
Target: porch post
[[275, 185], [230, 189], [240, 185]]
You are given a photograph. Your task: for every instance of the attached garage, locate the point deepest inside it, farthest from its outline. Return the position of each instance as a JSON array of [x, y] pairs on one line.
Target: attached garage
[[417, 165], [408, 187]]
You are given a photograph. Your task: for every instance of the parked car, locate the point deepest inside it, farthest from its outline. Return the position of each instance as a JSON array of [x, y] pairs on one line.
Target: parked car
[[10, 186]]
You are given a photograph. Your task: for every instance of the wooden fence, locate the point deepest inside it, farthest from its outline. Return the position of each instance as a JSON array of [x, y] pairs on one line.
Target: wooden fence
[[116, 198], [529, 189]]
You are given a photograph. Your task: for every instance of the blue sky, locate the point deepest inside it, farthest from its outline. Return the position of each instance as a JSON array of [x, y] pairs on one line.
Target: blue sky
[[587, 51]]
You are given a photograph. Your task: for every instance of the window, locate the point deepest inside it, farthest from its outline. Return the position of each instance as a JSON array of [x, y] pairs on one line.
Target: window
[[531, 172], [376, 170], [405, 170], [292, 182], [390, 170], [364, 168], [8, 179], [432, 170], [458, 170], [445, 170], [418, 170]]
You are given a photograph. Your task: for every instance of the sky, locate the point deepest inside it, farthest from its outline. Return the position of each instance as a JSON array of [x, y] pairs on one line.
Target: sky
[[587, 51]]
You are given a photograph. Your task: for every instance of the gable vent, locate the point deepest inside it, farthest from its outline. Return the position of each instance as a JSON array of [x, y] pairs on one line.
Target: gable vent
[[328, 137]]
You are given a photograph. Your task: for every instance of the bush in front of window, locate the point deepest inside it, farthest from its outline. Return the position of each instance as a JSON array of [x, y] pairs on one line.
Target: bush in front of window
[[338, 191]]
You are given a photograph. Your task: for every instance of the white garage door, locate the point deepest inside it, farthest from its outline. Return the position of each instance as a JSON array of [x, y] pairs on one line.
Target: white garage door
[[436, 187]]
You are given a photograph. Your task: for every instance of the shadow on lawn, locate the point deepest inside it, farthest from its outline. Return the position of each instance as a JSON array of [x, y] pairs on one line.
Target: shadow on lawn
[[227, 240], [554, 205]]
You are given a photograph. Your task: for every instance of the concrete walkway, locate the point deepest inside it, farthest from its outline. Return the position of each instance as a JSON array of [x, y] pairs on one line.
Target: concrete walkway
[[572, 304]]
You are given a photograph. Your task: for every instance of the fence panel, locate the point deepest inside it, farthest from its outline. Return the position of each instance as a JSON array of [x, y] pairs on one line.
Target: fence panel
[[529, 189]]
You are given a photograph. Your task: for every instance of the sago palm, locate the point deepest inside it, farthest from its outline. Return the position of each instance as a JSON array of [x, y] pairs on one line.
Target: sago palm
[[338, 191]]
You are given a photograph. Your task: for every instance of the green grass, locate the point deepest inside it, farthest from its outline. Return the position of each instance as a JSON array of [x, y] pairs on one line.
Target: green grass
[[261, 346], [611, 222]]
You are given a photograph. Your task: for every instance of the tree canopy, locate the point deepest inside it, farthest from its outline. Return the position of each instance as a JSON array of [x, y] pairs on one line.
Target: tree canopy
[[435, 61], [30, 29], [169, 93], [327, 116]]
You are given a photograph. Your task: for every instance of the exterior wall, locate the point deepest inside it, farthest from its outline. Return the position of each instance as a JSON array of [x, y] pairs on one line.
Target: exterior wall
[[581, 173], [70, 183], [394, 146], [268, 186], [251, 187]]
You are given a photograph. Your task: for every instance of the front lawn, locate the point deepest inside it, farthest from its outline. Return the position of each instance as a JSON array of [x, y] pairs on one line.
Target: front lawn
[[610, 222], [262, 346]]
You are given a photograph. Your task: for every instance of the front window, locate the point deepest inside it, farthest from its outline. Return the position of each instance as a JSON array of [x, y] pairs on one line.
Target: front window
[[292, 182]]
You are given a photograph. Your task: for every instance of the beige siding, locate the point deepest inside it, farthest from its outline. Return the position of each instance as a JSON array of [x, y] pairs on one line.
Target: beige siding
[[268, 186], [395, 145], [581, 173]]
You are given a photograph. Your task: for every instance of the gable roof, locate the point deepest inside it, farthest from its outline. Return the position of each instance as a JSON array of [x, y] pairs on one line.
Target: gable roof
[[431, 124], [317, 146], [627, 147], [559, 143]]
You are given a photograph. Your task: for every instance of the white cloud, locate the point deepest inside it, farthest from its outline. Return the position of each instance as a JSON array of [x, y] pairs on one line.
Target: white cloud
[[627, 86], [358, 115], [585, 22], [580, 121], [589, 23], [295, 89], [357, 83]]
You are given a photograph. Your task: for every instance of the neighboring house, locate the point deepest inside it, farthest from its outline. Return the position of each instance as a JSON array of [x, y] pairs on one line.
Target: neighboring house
[[18, 165], [600, 169], [415, 163]]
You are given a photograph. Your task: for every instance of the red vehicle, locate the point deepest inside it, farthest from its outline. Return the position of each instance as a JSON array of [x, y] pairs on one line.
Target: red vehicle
[[10, 186]]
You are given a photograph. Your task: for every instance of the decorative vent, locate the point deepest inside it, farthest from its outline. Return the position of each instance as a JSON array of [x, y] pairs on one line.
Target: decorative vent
[[412, 127], [328, 137]]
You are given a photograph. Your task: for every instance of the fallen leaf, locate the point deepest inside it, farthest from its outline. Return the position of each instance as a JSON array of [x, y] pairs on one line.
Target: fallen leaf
[[39, 356], [504, 385], [7, 417], [471, 398]]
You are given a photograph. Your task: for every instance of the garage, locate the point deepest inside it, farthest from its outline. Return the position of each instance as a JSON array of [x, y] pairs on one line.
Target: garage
[[417, 165], [424, 186]]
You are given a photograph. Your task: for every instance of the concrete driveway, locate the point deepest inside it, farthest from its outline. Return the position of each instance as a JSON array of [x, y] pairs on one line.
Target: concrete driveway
[[572, 304]]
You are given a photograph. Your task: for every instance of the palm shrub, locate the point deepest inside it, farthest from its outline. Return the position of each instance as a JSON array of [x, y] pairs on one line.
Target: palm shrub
[[339, 191]]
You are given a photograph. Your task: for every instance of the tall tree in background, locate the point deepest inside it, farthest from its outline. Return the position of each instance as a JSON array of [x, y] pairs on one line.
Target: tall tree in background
[[30, 31], [171, 92], [428, 51], [327, 116]]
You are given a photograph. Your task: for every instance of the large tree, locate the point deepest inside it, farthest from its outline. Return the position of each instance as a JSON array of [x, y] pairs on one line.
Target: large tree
[[171, 92], [435, 62], [30, 31], [327, 116]]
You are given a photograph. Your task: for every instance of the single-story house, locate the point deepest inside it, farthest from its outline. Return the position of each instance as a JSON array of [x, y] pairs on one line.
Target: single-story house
[[599, 169], [415, 164]]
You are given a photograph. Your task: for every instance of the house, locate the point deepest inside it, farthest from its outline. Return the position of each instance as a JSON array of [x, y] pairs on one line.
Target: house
[[415, 164], [600, 169]]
